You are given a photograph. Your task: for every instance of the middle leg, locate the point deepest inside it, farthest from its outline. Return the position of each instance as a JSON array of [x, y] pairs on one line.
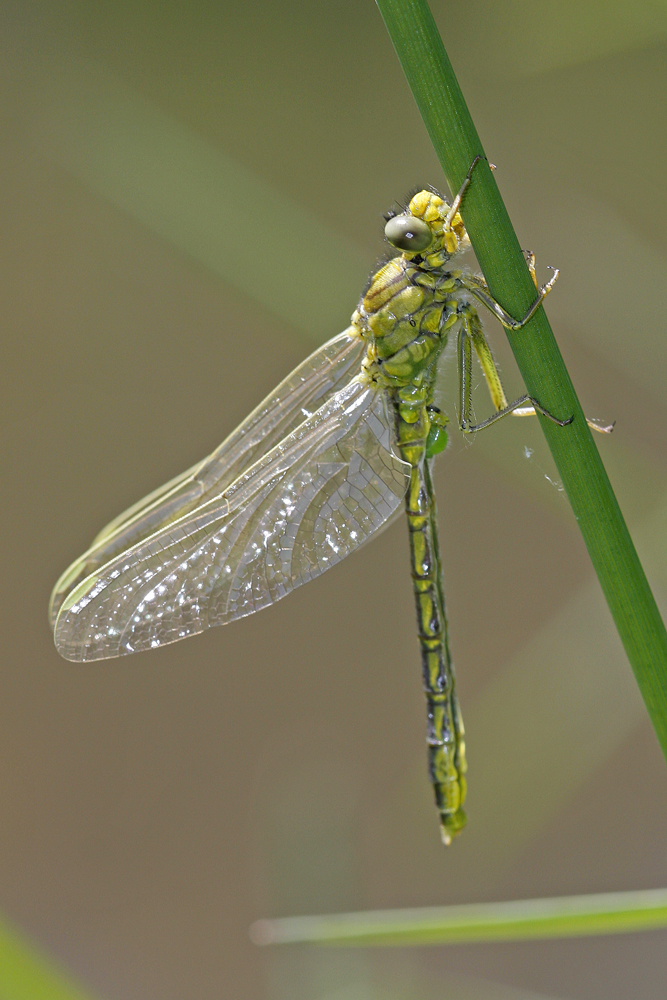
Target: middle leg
[[471, 335]]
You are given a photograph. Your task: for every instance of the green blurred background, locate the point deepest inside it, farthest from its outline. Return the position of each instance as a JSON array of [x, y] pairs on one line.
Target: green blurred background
[[192, 200]]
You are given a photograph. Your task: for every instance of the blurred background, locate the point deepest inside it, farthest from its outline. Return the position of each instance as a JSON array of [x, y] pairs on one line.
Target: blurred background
[[192, 200]]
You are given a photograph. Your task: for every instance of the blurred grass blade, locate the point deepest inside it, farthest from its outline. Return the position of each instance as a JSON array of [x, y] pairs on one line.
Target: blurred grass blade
[[26, 975], [173, 181], [519, 920], [447, 119]]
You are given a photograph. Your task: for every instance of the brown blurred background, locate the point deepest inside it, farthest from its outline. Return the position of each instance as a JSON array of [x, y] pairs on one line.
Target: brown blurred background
[[192, 199]]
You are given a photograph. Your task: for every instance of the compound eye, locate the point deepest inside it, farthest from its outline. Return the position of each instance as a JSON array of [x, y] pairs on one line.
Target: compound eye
[[405, 232]]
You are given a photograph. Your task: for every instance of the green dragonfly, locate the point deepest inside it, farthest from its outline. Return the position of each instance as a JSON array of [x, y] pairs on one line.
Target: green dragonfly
[[321, 465]]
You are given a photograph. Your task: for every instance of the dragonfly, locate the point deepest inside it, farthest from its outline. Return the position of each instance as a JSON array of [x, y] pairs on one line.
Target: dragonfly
[[325, 462]]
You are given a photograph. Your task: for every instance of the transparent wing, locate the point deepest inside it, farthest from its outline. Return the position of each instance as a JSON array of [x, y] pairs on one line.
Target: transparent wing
[[300, 394], [302, 507]]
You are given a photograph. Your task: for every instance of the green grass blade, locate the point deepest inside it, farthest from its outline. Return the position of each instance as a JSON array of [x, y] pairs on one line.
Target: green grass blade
[[25, 974], [443, 108], [519, 920]]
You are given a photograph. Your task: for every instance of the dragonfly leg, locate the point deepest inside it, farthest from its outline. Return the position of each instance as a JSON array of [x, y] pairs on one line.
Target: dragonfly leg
[[476, 283], [530, 261], [471, 335], [456, 204], [479, 288], [529, 411]]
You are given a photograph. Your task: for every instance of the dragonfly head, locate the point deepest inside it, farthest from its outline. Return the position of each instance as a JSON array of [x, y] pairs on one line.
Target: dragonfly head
[[423, 230]]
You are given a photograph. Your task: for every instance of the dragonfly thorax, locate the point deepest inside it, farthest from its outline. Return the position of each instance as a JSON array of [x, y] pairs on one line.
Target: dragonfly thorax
[[413, 301], [405, 318]]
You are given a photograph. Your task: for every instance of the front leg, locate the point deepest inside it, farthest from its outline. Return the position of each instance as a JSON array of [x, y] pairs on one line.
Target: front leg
[[480, 290], [456, 204], [477, 285]]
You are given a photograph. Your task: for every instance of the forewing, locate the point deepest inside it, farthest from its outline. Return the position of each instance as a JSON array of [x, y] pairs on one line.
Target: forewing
[[293, 401], [301, 508]]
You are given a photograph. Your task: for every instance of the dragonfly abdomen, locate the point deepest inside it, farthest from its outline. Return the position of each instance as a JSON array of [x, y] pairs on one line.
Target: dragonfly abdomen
[[446, 751]]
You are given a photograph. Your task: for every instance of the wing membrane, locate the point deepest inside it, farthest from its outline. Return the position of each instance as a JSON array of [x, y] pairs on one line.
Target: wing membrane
[[301, 393], [302, 507]]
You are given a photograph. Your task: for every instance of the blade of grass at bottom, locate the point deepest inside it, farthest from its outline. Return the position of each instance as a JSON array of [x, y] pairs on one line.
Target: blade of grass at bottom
[[520, 920], [27, 974], [442, 106]]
